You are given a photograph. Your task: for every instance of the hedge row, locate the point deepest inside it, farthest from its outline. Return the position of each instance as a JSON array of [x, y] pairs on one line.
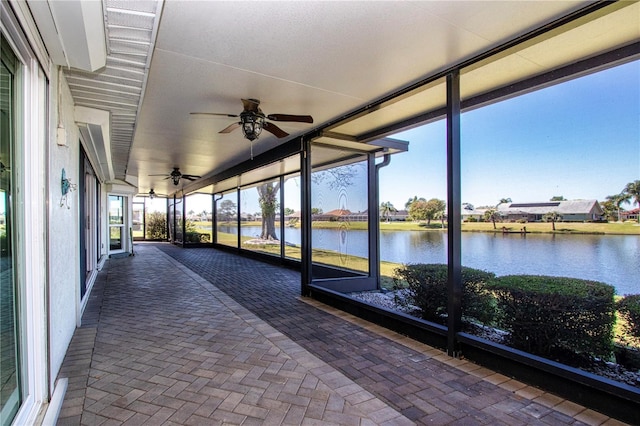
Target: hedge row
[[427, 284], [542, 314], [629, 309]]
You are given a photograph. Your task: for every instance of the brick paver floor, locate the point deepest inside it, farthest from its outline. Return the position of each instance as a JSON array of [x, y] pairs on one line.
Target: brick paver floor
[[177, 336]]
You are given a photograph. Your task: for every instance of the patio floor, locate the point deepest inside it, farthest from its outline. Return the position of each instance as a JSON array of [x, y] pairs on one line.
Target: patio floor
[[177, 336]]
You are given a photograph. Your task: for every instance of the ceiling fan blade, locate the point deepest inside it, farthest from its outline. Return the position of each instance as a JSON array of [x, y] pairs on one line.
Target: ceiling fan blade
[[230, 128], [163, 174], [270, 127], [290, 117], [190, 177], [209, 114], [251, 104]]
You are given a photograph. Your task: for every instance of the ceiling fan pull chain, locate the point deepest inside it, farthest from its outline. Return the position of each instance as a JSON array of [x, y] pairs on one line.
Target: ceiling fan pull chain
[[251, 145]]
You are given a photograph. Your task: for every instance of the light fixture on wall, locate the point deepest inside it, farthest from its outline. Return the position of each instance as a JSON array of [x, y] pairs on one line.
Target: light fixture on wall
[[66, 187]]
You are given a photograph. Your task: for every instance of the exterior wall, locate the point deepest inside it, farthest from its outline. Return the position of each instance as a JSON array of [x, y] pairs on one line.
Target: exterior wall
[[64, 223]]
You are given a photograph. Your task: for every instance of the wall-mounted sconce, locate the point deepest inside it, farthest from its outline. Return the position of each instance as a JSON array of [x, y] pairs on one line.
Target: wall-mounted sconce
[[66, 187]]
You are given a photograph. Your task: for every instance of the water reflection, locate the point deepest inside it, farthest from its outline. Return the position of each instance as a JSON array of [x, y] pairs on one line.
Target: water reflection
[[612, 259]]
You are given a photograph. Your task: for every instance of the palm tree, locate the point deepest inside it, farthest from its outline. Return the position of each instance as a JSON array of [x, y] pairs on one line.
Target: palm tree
[[492, 215], [618, 199], [410, 201], [386, 208], [552, 217], [503, 201], [633, 191]]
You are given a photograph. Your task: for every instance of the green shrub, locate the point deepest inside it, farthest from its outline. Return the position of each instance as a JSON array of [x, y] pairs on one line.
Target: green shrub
[[629, 309], [156, 226], [196, 237], [427, 286], [547, 315]]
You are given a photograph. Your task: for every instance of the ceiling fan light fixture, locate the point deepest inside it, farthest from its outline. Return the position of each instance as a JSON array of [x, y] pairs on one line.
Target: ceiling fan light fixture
[[252, 125], [152, 194]]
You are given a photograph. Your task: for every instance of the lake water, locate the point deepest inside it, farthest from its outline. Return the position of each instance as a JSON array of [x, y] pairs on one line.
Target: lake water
[[612, 259]]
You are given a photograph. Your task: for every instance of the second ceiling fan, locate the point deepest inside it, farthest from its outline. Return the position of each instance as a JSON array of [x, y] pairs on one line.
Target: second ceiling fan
[[253, 120]]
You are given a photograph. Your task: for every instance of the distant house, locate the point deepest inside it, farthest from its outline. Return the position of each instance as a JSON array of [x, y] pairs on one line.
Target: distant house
[[398, 216], [333, 215], [630, 214], [570, 211], [342, 215], [472, 214]]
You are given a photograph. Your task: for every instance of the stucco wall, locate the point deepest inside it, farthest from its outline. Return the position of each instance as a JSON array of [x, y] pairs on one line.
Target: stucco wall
[[64, 259]]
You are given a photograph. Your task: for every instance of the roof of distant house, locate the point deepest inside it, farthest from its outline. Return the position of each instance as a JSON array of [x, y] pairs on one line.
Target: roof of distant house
[[561, 207]]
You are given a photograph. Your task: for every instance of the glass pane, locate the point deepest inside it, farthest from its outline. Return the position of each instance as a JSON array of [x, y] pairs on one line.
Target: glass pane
[[116, 209], [413, 223], [227, 219], [170, 219], [137, 226], [260, 217], [178, 220], [339, 201], [292, 231], [9, 372], [549, 176], [199, 225], [115, 238], [155, 221]]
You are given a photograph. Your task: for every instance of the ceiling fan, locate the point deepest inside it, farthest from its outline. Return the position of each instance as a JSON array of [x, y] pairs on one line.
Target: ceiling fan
[[153, 194], [253, 120], [175, 176]]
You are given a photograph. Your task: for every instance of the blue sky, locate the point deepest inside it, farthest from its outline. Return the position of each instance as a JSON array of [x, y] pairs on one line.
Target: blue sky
[[579, 139]]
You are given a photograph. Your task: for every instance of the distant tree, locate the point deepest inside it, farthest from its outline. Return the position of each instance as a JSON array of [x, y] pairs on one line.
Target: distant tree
[[558, 198], [268, 199], [386, 208], [288, 211], [442, 216], [468, 206], [633, 191], [552, 217], [426, 210], [316, 210], [610, 210], [503, 201], [410, 201], [617, 200], [226, 210], [492, 215]]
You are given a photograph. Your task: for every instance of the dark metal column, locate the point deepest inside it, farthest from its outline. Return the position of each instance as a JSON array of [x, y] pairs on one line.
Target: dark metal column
[[281, 217], [373, 224], [305, 216], [238, 218], [214, 218], [454, 205], [184, 220]]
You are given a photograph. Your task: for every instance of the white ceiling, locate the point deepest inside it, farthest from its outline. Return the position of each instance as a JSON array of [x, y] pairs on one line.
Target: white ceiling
[[323, 59]]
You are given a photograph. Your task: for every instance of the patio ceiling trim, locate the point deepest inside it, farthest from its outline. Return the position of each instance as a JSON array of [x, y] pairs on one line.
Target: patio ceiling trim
[[612, 58]]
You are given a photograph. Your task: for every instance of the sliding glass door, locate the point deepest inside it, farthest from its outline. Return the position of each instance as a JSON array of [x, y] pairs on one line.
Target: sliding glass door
[[10, 397]]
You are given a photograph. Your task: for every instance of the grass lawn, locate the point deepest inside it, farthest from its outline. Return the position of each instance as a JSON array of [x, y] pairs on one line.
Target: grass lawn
[[626, 228]]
